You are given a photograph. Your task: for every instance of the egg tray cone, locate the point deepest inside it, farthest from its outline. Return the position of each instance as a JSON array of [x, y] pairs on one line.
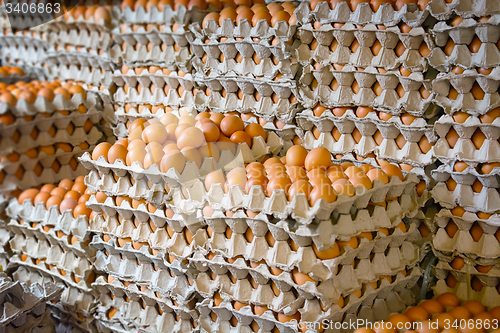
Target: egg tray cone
[[466, 85], [487, 295], [468, 176], [31, 323], [363, 57], [14, 39], [27, 55], [267, 321], [388, 101], [332, 284], [72, 300], [53, 219], [19, 300]]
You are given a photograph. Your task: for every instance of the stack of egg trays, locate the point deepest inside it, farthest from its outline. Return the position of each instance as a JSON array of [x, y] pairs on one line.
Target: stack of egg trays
[[24, 305], [156, 36], [54, 247], [146, 94], [24, 48], [79, 49], [24, 130], [188, 211], [268, 89]]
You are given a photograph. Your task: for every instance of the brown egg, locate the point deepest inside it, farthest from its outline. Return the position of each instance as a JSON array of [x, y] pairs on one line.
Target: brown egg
[[237, 177], [318, 158], [66, 204], [191, 137], [154, 133], [261, 15], [278, 182], [424, 145], [299, 186], [216, 118], [255, 130], [117, 152], [392, 170], [81, 210], [489, 117], [210, 16], [231, 124], [154, 154], [363, 111], [101, 150], [452, 137], [280, 16], [53, 201], [478, 138], [210, 131], [227, 13], [344, 187], [475, 45], [241, 137], [210, 149], [41, 197], [214, 177], [325, 192], [28, 194], [244, 13], [135, 154]]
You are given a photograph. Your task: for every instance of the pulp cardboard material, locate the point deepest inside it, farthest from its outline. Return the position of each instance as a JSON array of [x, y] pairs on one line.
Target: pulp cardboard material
[[363, 57], [85, 74], [389, 101], [442, 10], [67, 22], [463, 84], [92, 39], [465, 222], [80, 57], [488, 296], [467, 176], [467, 272], [166, 15]]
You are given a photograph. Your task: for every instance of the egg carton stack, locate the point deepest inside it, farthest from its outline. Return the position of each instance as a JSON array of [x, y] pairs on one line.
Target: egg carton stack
[[366, 82], [24, 307], [44, 127], [50, 245], [243, 62], [13, 74], [79, 44], [466, 243], [152, 44]]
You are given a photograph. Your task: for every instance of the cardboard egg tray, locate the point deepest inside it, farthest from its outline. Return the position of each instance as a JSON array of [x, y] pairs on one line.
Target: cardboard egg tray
[[363, 57], [267, 321], [37, 216], [166, 15], [91, 39], [282, 30], [370, 309], [442, 10], [364, 14], [487, 247], [287, 132], [148, 248], [39, 322], [467, 272], [30, 179], [23, 38], [247, 47], [488, 296], [22, 304], [170, 56], [68, 22], [335, 279], [462, 35], [23, 108], [191, 172], [73, 300], [256, 200], [76, 323], [27, 55], [463, 84], [80, 57], [140, 271], [488, 200], [284, 109], [367, 126], [389, 101], [410, 153], [87, 75], [52, 259]]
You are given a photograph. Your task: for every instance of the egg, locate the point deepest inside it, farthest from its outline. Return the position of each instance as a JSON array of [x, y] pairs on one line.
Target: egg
[[490, 116], [41, 197], [28, 194], [358, 179], [192, 154], [318, 158], [478, 138], [476, 232], [417, 313], [379, 174], [344, 187], [261, 15], [136, 154], [393, 171], [53, 201], [191, 137], [214, 177], [325, 192], [244, 13], [154, 154], [241, 137], [231, 124], [117, 152], [66, 204], [255, 130], [210, 149], [101, 150], [475, 45], [278, 183], [299, 186], [237, 177], [488, 167]]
